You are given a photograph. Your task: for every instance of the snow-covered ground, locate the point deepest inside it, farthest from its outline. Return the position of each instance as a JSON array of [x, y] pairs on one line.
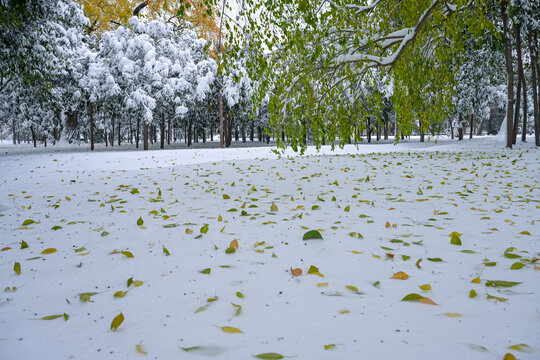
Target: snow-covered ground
[[383, 211]]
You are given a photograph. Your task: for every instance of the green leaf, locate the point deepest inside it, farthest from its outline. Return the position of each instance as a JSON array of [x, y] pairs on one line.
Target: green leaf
[[28, 222], [412, 297], [517, 265], [238, 308], [140, 222], [129, 281], [204, 229], [206, 271], [312, 234], [435, 259], [190, 348], [329, 346], [313, 270], [468, 251], [105, 233], [347, 208], [230, 250], [501, 283], [84, 297], [455, 238], [117, 321], [405, 257], [120, 294], [239, 294], [165, 251], [17, 268], [127, 253], [269, 356], [472, 294], [56, 227], [24, 245], [81, 249], [52, 317]]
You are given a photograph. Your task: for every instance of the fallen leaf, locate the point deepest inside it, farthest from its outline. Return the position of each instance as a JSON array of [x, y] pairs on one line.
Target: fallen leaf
[[273, 207], [17, 268], [48, 251], [296, 272], [140, 349], [269, 356], [521, 347], [400, 276], [230, 329], [312, 234], [509, 356], [425, 287], [117, 321], [234, 244], [453, 315]]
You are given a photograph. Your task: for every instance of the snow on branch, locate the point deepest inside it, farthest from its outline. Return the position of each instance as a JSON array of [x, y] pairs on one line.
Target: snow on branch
[[404, 37]]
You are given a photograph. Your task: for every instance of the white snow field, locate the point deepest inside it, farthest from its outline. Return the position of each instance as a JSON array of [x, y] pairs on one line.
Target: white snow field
[[387, 215]]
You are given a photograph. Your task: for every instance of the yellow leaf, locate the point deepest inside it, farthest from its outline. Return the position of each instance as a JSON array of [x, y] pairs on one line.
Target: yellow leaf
[[243, 205], [140, 349], [476, 280], [344, 312], [525, 233], [273, 207], [231, 330], [536, 267], [400, 276], [322, 284], [219, 218], [521, 347], [189, 231], [120, 293], [117, 321], [352, 288], [387, 224], [48, 251], [234, 244], [425, 287], [453, 315], [356, 252], [305, 228], [509, 356]]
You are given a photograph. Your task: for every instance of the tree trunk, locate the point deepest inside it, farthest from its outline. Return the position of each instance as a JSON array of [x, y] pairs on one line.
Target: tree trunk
[[236, 133], [252, 130], [14, 132], [137, 133], [145, 135], [368, 129], [203, 133], [130, 131], [516, 110], [386, 126], [471, 124], [189, 136], [91, 115], [460, 128], [119, 134], [221, 138], [211, 133], [169, 132], [521, 79], [533, 53], [112, 132], [33, 135], [162, 132], [509, 74], [106, 139], [45, 140], [422, 135]]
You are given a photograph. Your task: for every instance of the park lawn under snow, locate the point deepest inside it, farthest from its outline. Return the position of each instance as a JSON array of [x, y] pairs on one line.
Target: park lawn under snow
[[165, 219]]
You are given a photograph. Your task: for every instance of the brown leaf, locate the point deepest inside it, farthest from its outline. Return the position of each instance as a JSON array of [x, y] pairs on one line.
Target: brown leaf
[[426, 300], [234, 244], [296, 272], [387, 224]]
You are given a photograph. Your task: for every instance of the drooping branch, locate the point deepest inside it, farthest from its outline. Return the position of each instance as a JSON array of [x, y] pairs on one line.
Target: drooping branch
[[139, 7], [404, 37]]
